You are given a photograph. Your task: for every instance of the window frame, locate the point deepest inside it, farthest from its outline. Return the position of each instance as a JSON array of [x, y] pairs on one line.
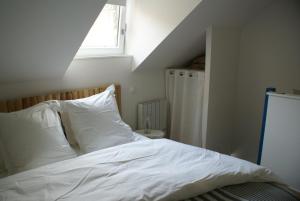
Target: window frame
[[120, 50]]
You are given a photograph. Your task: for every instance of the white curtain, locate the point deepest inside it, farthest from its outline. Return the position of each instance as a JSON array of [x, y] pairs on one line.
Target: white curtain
[[184, 90]]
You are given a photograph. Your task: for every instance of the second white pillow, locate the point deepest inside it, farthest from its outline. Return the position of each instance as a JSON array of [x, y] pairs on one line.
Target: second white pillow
[[95, 121]]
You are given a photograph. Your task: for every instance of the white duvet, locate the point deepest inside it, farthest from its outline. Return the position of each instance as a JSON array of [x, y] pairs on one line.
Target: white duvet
[[142, 170]]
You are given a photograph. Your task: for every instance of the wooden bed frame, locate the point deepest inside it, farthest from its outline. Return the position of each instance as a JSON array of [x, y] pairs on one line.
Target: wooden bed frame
[[22, 103]]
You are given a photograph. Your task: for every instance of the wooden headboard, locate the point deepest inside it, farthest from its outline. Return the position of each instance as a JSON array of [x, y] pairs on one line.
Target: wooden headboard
[[22, 103]]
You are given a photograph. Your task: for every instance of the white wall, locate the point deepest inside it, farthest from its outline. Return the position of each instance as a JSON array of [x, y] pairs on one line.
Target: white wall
[[222, 53], [150, 22], [136, 86], [269, 56], [187, 40]]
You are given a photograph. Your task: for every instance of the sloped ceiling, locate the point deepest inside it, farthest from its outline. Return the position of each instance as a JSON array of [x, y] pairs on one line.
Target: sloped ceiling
[[150, 22], [39, 38], [187, 40]]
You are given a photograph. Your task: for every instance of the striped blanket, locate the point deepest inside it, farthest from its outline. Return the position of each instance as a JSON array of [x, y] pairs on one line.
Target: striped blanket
[[247, 192]]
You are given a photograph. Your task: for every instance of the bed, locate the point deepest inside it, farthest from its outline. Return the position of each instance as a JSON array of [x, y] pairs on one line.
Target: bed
[[116, 163]]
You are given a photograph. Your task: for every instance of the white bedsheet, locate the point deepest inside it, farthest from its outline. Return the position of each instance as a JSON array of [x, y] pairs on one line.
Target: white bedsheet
[[136, 137], [142, 170]]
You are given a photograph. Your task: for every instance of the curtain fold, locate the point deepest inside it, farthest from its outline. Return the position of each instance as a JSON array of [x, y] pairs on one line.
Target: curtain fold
[[184, 91]]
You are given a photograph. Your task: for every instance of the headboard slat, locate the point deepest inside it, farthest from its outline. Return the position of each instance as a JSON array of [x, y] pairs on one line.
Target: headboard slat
[[3, 106], [23, 103]]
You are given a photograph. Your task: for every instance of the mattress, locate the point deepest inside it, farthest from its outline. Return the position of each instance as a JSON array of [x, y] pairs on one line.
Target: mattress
[[248, 192]]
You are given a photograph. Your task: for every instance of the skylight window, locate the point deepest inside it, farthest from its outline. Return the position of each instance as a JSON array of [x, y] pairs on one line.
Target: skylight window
[[107, 35]]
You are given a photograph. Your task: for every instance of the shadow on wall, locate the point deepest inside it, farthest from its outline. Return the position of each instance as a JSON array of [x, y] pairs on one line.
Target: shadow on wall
[[136, 86]]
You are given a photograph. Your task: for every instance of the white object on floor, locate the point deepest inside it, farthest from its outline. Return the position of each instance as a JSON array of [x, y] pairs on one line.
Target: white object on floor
[[138, 137], [184, 91], [153, 134], [149, 169]]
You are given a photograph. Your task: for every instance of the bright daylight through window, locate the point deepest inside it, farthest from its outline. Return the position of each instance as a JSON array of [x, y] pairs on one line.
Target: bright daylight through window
[[106, 36]]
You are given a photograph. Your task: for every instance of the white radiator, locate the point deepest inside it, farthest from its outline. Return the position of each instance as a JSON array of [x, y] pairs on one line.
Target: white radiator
[[156, 111]]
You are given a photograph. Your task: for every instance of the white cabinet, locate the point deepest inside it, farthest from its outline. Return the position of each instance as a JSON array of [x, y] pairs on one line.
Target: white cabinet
[[281, 143]]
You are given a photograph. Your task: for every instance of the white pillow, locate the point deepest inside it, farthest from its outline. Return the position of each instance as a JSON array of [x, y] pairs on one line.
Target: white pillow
[[95, 121], [33, 137]]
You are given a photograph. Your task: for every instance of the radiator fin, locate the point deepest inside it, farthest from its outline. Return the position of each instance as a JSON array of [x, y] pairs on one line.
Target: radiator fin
[[156, 111]]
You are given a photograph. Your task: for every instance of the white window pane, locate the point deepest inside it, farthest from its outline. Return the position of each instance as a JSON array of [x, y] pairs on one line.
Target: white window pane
[[105, 31]]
